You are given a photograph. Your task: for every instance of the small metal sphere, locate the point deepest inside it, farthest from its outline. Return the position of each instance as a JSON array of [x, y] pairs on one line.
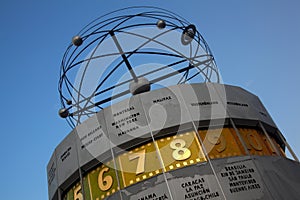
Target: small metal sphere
[[63, 113], [142, 85], [77, 40], [161, 24], [69, 102]]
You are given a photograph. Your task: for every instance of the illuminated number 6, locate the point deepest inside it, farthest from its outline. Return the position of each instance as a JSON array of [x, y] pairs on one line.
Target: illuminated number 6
[[106, 182], [180, 151]]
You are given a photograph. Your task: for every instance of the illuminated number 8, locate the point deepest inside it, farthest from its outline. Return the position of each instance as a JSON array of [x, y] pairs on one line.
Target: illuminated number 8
[[180, 151]]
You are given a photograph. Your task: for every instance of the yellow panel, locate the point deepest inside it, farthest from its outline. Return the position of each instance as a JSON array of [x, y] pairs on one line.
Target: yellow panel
[[139, 164], [70, 194], [273, 146], [254, 141], [282, 153], [220, 143], [77, 192], [180, 150], [86, 188], [174, 152], [102, 182]]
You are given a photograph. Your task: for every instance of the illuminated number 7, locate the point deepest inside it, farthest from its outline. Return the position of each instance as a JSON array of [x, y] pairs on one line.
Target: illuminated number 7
[[141, 161]]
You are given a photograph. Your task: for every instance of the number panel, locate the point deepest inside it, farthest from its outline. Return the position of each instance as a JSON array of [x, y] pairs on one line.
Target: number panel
[[275, 148], [174, 152], [77, 192], [220, 143], [254, 141], [180, 150], [271, 145], [139, 164], [87, 192], [102, 182], [70, 194]]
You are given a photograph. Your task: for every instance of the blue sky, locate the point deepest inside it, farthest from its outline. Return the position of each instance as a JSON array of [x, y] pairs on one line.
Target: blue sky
[[256, 45]]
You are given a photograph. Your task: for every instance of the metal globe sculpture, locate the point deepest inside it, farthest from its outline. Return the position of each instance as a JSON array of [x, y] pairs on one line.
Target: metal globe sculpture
[[127, 52], [148, 123]]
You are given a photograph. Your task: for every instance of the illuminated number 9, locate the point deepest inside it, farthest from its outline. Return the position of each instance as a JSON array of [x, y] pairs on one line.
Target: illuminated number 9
[[217, 138], [180, 151], [106, 182]]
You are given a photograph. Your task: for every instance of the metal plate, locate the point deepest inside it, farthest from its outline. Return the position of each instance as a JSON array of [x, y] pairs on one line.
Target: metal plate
[[52, 176], [165, 108], [126, 121], [93, 141], [67, 160]]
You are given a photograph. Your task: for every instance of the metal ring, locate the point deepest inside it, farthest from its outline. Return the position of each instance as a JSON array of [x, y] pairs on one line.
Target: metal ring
[[188, 34]]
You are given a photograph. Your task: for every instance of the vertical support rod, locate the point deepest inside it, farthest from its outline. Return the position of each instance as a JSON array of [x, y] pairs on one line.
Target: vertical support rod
[[269, 139], [123, 55], [59, 193], [240, 137], [80, 175], [288, 146]]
